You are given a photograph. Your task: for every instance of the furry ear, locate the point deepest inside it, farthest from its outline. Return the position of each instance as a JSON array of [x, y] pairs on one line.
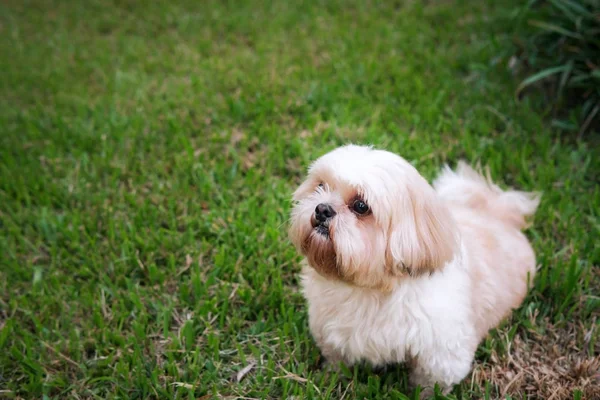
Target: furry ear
[[423, 235]]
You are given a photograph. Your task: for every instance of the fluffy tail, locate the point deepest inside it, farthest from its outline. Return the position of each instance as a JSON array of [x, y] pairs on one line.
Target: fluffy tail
[[467, 187]]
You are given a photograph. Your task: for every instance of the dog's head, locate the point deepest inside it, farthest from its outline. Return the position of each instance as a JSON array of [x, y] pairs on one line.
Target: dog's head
[[367, 217]]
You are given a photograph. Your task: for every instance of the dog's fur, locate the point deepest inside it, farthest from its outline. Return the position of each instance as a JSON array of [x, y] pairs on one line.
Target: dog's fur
[[423, 276]]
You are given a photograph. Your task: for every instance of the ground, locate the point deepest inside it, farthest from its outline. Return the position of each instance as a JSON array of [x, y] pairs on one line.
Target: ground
[[148, 151]]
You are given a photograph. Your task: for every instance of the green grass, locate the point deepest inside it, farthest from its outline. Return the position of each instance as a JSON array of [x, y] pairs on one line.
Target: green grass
[[558, 42], [147, 157]]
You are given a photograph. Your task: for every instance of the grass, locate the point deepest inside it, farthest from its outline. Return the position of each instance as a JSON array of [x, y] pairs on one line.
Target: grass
[[559, 47], [148, 151]]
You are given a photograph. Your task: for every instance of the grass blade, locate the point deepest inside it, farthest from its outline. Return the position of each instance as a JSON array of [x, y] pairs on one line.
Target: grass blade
[[540, 76], [565, 77], [555, 28], [573, 6]]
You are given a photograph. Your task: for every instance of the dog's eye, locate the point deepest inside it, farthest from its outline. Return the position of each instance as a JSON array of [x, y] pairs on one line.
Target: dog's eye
[[321, 185], [360, 207]]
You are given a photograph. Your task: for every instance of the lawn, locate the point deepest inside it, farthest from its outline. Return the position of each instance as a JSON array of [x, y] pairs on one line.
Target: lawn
[[148, 151]]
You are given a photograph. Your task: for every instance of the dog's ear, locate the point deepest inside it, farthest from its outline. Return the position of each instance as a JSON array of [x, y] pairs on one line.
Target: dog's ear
[[423, 236]]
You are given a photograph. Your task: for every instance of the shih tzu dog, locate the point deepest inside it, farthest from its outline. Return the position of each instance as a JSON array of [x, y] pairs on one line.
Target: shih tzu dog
[[400, 271]]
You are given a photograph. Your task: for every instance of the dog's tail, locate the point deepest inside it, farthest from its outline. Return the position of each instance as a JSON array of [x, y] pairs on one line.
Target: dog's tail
[[467, 187]]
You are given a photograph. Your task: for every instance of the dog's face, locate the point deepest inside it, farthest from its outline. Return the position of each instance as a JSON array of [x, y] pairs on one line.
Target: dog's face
[[368, 218]]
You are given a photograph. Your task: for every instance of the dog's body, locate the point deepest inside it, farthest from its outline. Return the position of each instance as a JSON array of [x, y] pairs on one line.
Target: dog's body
[[422, 281]]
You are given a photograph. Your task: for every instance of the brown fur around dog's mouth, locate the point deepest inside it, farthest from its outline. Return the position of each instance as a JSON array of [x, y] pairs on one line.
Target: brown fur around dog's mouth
[[320, 252]]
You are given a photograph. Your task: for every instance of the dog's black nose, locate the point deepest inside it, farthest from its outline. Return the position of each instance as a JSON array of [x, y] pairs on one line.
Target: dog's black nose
[[323, 212]]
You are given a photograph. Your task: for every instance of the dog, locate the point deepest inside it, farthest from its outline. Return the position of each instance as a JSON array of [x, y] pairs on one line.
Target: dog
[[399, 271]]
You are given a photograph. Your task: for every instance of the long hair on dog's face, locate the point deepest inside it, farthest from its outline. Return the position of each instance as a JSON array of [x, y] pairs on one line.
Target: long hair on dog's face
[[366, 217]]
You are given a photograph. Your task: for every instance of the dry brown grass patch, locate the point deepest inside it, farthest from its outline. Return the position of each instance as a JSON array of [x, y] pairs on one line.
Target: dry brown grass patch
[[551, 365]]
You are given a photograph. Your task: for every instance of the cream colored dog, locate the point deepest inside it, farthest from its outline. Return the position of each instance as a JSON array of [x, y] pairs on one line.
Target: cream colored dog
[[399, 271]]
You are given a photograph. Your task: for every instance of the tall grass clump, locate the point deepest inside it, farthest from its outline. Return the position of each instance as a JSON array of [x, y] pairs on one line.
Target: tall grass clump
[[559, 43]]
